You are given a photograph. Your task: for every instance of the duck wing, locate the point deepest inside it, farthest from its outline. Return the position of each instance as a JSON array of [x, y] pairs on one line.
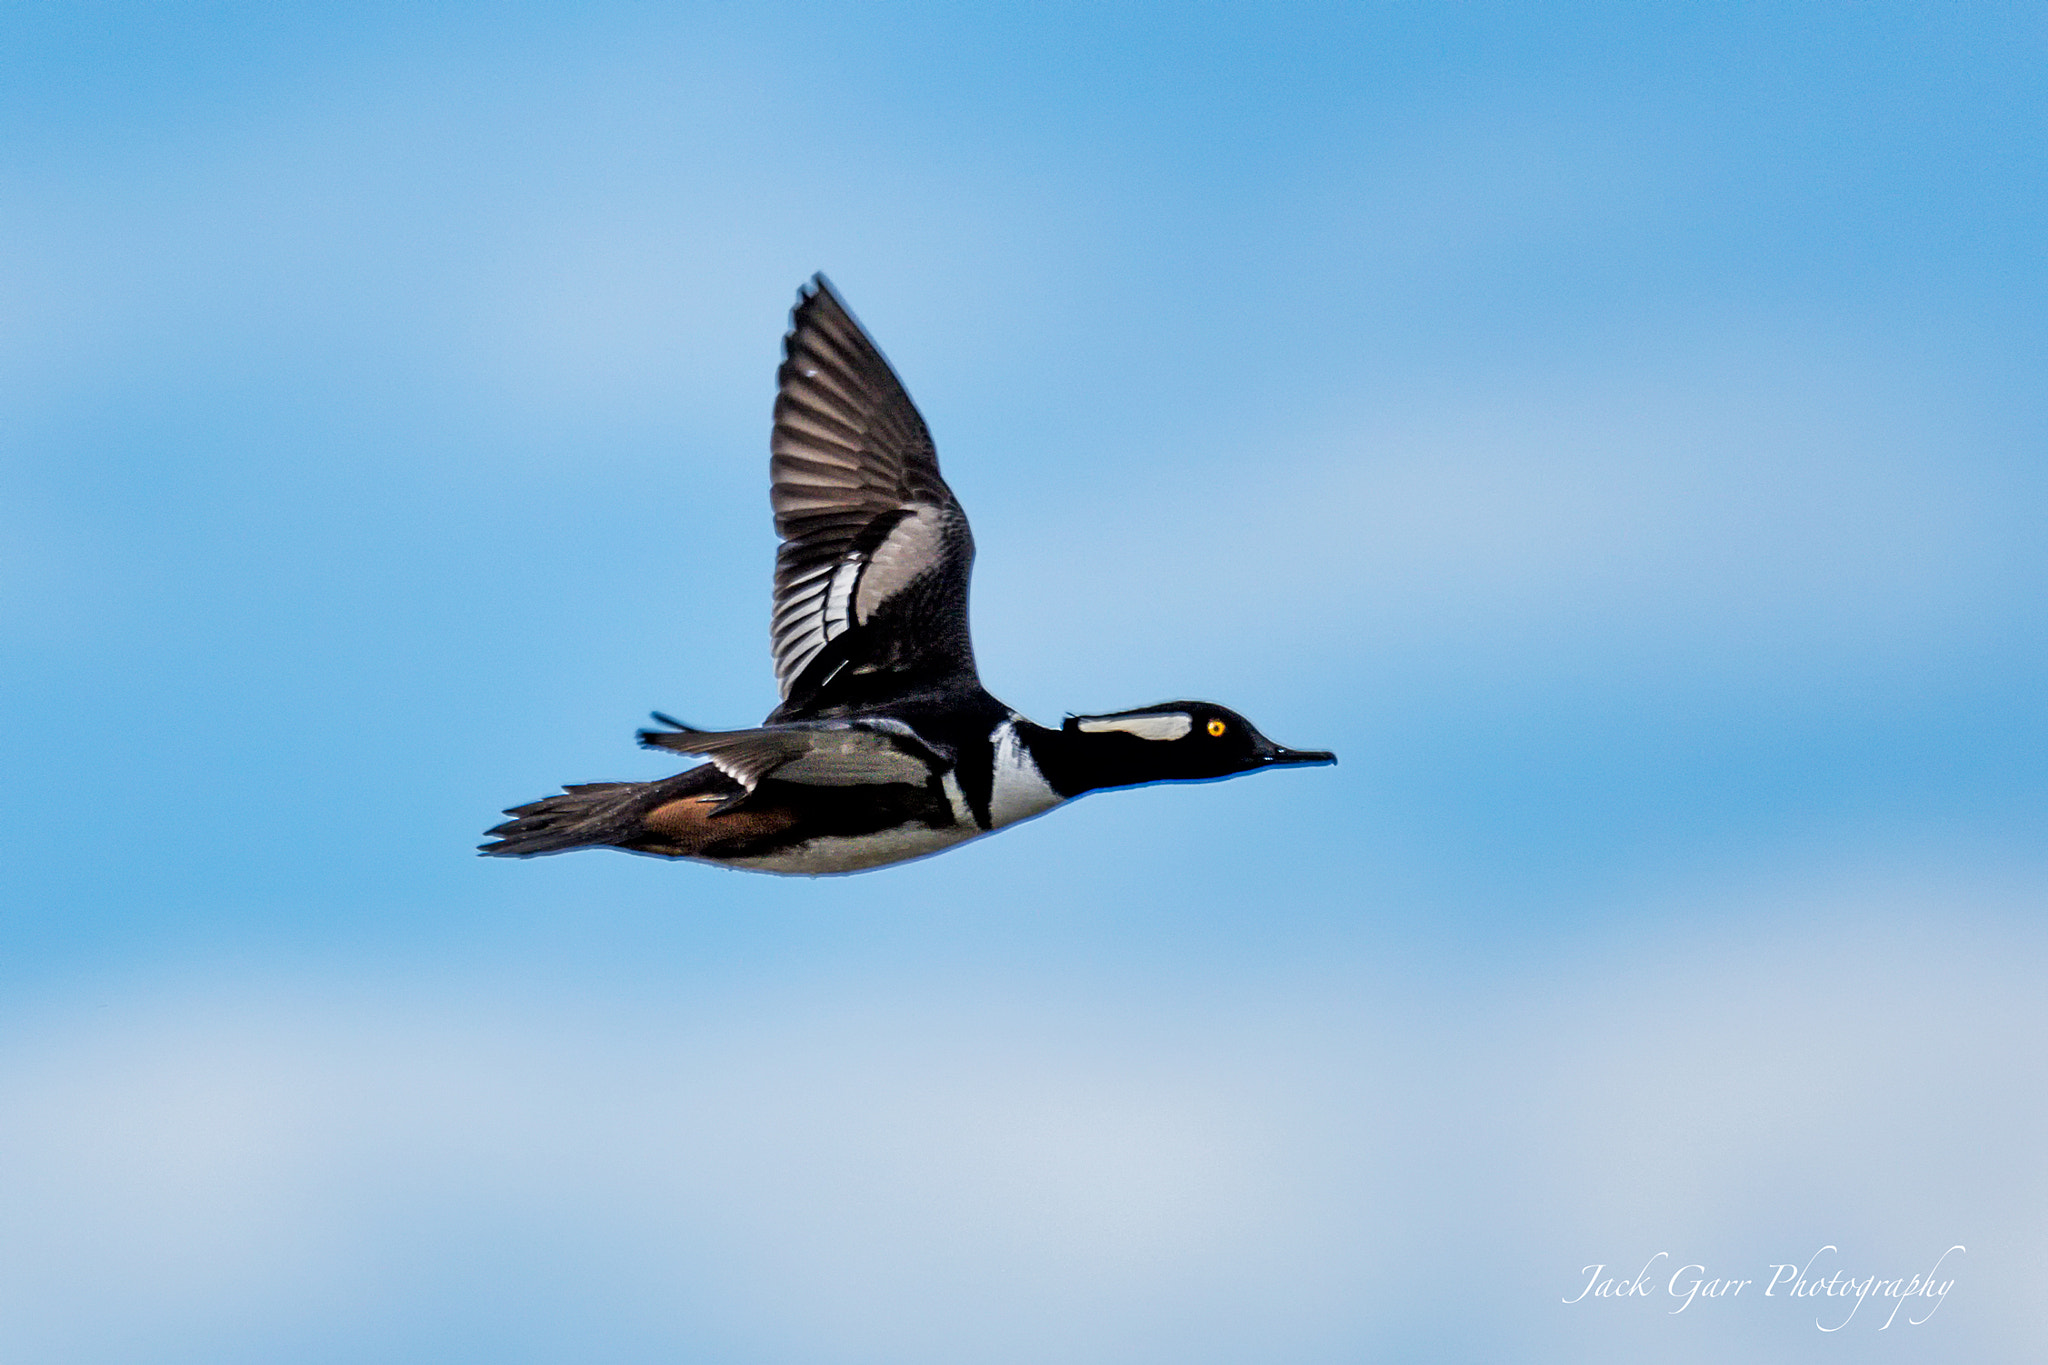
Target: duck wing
[[871, 577], [833, 753]]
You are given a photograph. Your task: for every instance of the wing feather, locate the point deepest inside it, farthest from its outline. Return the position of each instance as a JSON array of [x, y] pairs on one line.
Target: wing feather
[[855, 486], [819, 754]]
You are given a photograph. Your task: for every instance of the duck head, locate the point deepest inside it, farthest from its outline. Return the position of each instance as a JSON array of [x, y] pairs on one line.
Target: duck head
[[1176, 741]]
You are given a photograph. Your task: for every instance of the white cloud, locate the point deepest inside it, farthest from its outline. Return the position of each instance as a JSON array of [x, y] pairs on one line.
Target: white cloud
[[926, 1169]]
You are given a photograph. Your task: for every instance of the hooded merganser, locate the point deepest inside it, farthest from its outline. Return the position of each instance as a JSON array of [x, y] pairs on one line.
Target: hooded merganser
[[886, 746]]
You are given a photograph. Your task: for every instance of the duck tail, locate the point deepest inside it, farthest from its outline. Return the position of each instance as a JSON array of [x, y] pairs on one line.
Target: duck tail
[[592, 815]]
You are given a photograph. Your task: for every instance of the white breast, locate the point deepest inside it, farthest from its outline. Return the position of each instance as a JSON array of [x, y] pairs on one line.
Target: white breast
[[1020, 790]]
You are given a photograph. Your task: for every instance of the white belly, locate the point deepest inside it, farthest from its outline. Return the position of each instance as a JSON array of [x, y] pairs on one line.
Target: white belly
[[851, 853]]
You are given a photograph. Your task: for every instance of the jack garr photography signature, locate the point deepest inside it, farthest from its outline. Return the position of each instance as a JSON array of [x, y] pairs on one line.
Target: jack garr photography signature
[[1690, 1282]]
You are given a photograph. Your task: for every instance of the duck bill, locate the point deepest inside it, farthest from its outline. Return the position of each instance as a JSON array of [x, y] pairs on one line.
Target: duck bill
[[1273, 755]]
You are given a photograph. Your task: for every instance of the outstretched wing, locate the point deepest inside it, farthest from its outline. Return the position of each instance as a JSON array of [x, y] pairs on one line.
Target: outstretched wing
[[871, 578]]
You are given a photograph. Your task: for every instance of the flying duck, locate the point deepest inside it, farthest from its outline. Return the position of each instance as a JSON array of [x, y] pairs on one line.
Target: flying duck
[[886, 746]]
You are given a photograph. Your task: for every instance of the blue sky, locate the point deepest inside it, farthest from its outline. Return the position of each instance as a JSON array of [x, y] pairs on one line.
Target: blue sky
[[1616, 431]]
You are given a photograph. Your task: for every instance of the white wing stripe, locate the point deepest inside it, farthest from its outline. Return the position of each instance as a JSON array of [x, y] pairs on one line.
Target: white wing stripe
[[913, 545], [839, 601]]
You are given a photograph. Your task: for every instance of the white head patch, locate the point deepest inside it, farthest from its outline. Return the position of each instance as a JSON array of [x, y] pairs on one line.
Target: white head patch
[[1160, 725]]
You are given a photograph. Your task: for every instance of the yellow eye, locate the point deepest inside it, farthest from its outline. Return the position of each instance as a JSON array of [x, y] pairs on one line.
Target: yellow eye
[[1216, 728]]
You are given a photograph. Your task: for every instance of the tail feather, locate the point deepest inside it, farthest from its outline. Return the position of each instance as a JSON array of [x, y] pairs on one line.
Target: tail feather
[[593, 813]]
